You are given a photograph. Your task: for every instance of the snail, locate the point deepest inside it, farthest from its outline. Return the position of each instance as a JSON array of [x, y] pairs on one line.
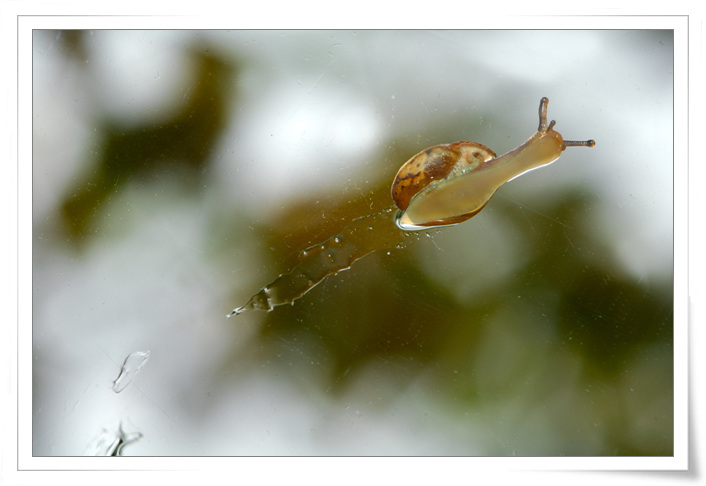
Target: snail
[[440, 186], [447, 184]]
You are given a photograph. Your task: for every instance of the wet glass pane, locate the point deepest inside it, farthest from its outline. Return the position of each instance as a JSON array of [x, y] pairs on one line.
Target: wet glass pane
[[178, 173]]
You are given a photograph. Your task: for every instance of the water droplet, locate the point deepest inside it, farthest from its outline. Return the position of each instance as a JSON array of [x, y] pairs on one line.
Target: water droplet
[[111, 443], [131, 367]]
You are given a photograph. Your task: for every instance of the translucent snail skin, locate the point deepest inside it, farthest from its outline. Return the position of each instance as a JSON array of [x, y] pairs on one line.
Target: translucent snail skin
[[448, 184], [440, 186]]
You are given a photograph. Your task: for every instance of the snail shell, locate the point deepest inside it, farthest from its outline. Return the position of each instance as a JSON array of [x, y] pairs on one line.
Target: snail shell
[[436, 164], [448, 184]]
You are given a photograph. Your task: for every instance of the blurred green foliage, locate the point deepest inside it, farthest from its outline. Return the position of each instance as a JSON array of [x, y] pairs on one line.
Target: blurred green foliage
[[568, 296], [180, 144], [566, 320]]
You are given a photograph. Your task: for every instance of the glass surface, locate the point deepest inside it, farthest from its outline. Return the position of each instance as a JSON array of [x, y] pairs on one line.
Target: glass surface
[[175, 173]]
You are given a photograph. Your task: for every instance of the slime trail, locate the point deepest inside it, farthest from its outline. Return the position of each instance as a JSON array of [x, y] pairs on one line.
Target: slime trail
[[360, 238]]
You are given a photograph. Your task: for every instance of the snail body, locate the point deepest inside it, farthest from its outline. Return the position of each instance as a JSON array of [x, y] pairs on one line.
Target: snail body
[[448, 184]]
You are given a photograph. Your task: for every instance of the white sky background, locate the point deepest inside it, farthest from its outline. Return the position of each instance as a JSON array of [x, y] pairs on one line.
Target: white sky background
[[624, 106]]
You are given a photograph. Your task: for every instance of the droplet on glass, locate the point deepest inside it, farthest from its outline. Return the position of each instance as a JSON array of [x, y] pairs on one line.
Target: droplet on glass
[[112, 442], [131, 367]]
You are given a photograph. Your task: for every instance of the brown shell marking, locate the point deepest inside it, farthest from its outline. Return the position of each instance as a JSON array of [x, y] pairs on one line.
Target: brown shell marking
[[435, 164]]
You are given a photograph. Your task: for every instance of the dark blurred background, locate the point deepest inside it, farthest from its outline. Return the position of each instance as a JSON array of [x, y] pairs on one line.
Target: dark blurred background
[[177, 172]]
